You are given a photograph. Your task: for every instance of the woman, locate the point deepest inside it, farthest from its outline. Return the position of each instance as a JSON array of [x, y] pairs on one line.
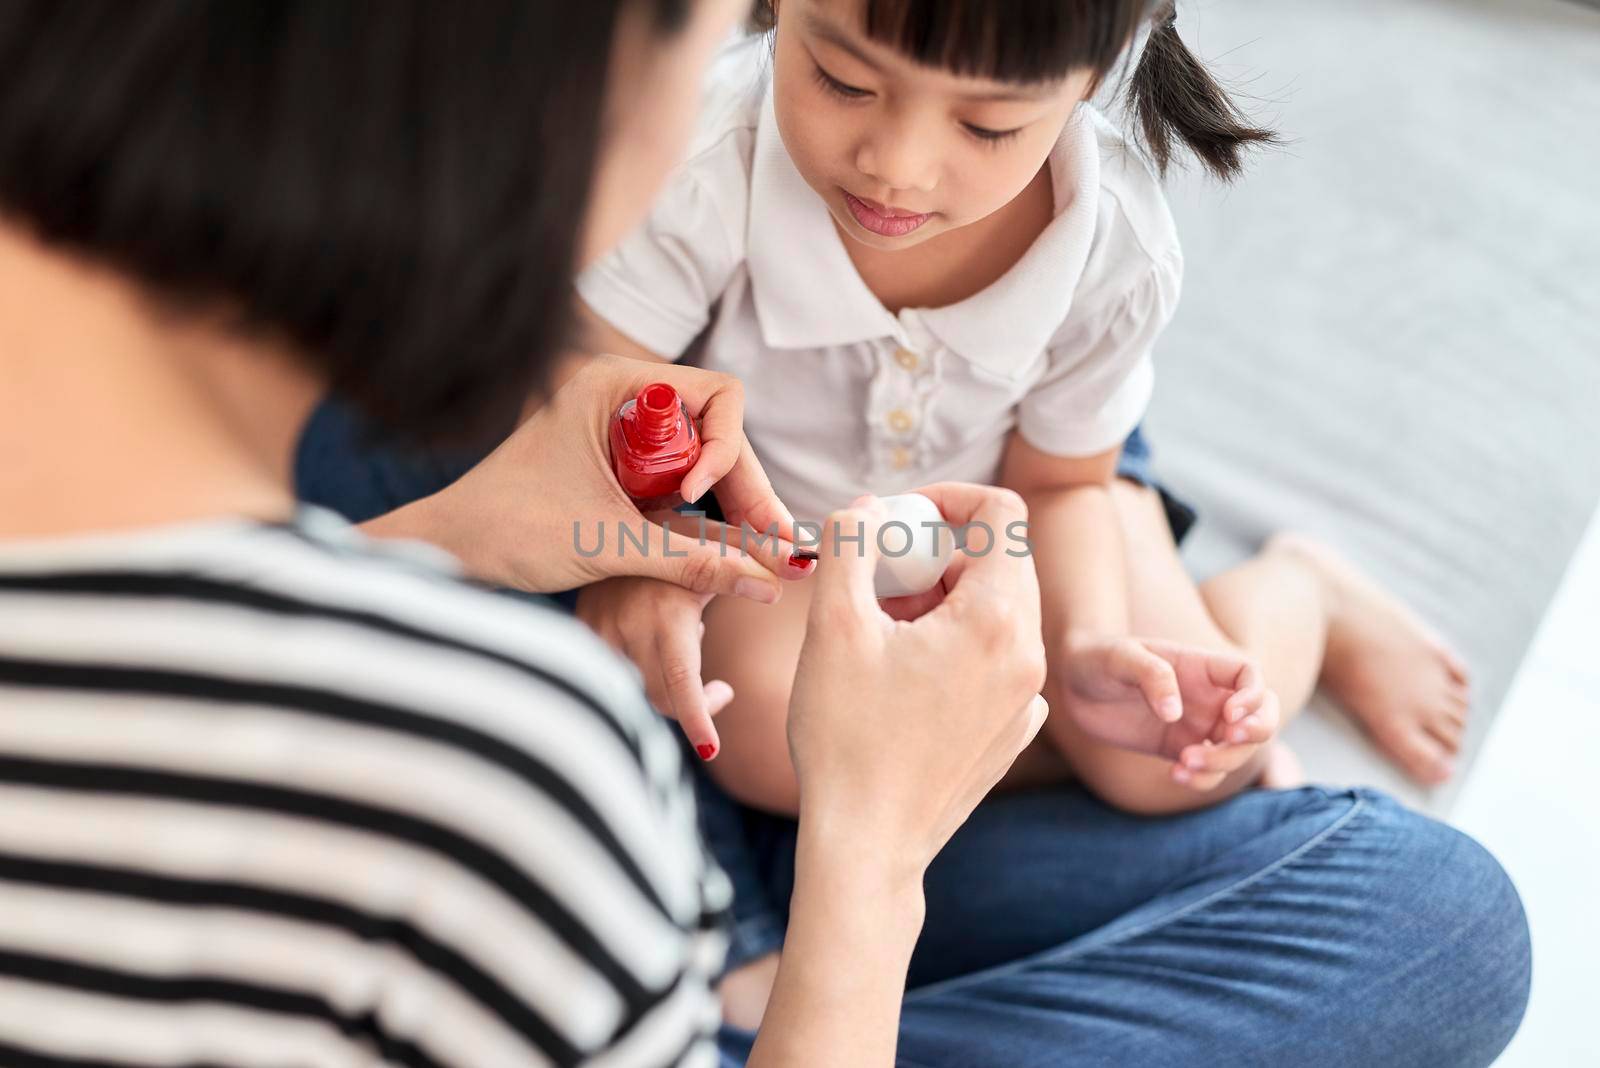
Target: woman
[[276, 794]]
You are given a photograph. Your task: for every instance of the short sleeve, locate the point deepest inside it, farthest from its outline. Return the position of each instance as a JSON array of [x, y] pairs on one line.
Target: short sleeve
[[659, 284], [1100, 375]]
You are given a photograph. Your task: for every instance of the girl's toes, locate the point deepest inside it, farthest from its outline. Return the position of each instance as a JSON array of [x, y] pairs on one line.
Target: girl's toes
[[1421, 756], [1455, 665], [1447, 732]]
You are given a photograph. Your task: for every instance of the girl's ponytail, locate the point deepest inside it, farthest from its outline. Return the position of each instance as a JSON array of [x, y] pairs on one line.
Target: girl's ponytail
[[1173, 95]]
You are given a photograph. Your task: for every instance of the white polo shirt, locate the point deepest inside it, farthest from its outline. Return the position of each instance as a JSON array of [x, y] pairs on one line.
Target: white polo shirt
[[845, 398]]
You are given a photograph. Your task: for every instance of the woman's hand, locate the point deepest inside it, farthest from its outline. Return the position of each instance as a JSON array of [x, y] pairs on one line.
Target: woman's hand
[[1207, 711], [531, 514], [900, 726]]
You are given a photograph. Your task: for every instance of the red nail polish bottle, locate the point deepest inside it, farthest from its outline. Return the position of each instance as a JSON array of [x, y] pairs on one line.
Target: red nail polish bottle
[[654, 443]]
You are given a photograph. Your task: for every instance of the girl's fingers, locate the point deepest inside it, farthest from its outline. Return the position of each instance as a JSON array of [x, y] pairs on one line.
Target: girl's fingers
[[1202, 781], [1249, 691], [1205, 759], [1133, 664], [1258, 726], [678, 663], [1252, 730], [718, 695]]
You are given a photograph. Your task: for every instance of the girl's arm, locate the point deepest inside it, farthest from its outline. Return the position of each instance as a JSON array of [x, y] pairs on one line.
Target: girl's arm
[[1082, 574], [1120, 695], [1077, 545]]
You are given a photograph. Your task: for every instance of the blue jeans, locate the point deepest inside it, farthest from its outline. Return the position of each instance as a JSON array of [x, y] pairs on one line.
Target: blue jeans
[[1309, 927], [1314, 927]]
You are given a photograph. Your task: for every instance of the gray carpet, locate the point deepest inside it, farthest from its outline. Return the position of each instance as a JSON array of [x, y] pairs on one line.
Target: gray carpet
[[1390, 332]]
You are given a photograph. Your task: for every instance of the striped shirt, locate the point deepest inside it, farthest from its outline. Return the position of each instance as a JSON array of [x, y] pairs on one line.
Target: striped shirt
[[274, 794]]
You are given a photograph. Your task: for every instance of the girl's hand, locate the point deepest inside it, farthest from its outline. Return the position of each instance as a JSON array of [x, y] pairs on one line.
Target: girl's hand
[[1207, 711], [899, 727], [657, 626], [530, 514]]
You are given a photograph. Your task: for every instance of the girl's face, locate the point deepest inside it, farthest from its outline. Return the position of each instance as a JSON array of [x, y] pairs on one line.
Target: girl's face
[[901, 152]]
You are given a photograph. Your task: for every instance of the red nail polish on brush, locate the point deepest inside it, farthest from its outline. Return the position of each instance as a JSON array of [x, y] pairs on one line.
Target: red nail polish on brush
[[803, 560], [654, 443]]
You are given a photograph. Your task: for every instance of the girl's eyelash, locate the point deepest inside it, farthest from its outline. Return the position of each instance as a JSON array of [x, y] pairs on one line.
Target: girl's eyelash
[[851, 92], [835, 86], [991, 137]]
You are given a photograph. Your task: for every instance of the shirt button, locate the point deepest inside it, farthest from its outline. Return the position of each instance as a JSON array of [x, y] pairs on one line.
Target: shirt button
[[900, 420], [901, 458], [907, 359]]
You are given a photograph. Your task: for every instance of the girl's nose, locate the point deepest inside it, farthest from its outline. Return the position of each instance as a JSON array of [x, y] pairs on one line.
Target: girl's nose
[[898, 158]]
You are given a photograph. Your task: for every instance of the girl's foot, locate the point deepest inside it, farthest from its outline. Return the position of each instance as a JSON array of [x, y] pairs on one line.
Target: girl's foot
[[1282, 770], [1395, 675]]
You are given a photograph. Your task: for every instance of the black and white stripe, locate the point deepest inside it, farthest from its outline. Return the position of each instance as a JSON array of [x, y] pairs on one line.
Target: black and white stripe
[[269, 795]]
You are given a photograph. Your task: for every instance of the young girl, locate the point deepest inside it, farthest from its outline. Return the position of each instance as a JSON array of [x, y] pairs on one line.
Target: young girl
[[928, 258]]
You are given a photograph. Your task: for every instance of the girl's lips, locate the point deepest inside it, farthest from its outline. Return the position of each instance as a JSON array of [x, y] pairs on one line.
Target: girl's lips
[[885, 223]]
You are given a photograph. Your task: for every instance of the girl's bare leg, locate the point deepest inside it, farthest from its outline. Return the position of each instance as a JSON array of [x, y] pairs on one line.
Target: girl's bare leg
[[1298, 610], [754, 648], [1284, 606], [1303, 615], [1397, 678]]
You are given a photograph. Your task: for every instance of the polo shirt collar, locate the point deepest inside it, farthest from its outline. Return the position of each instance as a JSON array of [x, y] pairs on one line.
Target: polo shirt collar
[[1004, 326], [796, 256]]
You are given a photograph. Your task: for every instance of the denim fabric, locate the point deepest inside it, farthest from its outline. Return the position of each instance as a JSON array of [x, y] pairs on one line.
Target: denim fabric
[[1135, 464], [340, 465], [1309, 927]]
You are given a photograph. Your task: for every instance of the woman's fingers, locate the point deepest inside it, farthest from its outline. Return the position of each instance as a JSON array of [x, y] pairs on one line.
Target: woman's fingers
[[848, 559], [718, 401], [776, 554], [726, 459], [745, 495], [706, 567], [912, 605], [987, 568]]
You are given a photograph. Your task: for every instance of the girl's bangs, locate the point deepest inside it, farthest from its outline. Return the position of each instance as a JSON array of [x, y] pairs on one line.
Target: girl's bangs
[[1008, 40]]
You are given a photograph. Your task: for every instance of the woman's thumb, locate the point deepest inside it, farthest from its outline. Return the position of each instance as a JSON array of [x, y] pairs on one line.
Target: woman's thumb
[[849, 550]]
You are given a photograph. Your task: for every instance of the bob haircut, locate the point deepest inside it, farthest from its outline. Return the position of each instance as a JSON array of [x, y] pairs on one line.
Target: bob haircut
[[393, 187]]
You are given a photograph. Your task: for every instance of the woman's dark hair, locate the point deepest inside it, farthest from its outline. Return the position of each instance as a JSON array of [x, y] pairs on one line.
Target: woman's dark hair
[[393, 187], [1171, 94]]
